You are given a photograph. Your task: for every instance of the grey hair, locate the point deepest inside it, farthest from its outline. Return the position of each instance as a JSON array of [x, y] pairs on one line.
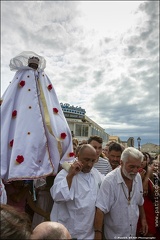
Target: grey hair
[[131, 152]]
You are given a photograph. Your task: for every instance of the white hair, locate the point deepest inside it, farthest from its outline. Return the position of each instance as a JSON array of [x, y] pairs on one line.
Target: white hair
[[131, 152]]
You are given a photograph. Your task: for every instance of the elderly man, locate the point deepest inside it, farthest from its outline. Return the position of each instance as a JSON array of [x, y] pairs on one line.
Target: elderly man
[[50, 230], [74, 194], [120, 199]]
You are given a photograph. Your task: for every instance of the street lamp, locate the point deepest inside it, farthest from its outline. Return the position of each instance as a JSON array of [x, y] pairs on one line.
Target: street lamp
[[139, 143]]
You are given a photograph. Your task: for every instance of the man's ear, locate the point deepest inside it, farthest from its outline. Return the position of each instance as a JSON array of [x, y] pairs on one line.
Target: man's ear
[[121, 163]]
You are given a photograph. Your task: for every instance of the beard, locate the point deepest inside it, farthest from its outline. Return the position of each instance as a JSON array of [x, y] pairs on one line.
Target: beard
[[130, 176]]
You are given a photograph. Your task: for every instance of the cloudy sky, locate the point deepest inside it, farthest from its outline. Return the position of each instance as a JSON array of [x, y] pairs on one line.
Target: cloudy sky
[[101, 56]]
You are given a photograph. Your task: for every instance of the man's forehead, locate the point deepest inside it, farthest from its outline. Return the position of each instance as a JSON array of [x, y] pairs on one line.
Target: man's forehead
[[115, 152], [94, 142], [131, 160]]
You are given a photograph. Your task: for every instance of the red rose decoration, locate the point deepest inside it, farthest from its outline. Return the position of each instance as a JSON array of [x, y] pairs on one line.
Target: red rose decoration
[[19, 159], [49, 87], [71, 154], [55, 110], [21, 83], [63, 135], [14, 113], [11, 143]]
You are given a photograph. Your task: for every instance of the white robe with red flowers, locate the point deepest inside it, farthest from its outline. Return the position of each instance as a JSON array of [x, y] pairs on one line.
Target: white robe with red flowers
[[35, 134]]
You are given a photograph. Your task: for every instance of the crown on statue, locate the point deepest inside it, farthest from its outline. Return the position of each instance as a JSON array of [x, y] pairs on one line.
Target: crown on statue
[[33, 60]]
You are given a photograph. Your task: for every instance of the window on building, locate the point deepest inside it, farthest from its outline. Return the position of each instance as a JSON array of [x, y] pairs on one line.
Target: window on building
[[81, 130], [95, 132]]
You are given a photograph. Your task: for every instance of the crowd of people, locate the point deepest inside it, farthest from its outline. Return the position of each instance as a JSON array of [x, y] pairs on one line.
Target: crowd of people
[[55, 187], [100, 195]]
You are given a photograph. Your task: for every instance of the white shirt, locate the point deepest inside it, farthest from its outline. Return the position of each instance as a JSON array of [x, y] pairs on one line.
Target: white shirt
[[120, 219], [75, 207], [103, 165]]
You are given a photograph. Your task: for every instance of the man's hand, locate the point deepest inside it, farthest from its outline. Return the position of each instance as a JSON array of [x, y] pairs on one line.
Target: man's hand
[[144, 228], [75, 168]]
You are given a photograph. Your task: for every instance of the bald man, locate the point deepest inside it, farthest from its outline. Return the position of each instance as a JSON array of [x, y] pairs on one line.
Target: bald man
[[74, 193], [50, 230]]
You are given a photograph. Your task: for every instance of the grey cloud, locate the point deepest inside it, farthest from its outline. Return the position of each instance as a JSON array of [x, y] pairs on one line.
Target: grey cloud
[[98, 76], [115, 78], [118, 105], [107, 40], [74, 79], [133, 51], [146, 39], [150, 7], [130, 115], [145, 34]]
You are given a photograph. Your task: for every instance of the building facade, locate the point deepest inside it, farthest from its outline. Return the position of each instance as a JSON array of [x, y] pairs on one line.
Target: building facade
[[81, 126]]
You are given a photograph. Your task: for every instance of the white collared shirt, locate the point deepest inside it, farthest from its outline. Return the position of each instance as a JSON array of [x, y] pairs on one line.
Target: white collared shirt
[[75, 207], [120, 219]]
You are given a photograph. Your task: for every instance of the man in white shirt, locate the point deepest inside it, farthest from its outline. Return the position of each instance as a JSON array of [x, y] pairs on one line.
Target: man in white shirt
[[102, 165], [120, 199], [74, 194]]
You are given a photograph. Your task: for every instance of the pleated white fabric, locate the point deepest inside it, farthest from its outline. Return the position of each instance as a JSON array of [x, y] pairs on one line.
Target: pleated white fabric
[[29, 148]]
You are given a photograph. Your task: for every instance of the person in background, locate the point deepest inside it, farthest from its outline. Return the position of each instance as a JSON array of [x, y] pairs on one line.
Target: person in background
[[148, 199], [75, 145], [77, 150], [120, 199], [75, 141], [82, 142], [106, 148], [74, 193], [149, 158], [50, 230], [114, 154], [43, 199], [155, 178], [102, 155], [147, 174], [14, 224], [18, 195], [102, 165]]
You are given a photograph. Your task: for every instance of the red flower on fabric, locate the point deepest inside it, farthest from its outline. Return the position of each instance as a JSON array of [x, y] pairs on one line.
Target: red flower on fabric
[[11, 143], [14, 113], [19, 159], [71, 154], [55, 110], [63, 135], [49, 87], [21, 83]]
